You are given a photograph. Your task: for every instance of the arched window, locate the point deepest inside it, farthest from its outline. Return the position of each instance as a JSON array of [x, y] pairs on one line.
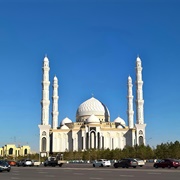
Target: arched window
[[43, 144], [87, 141], [99, 140], [43, 133], [92, 140], [140, 132], [102, 142], [10, 151], [25, 151], [141, 141]]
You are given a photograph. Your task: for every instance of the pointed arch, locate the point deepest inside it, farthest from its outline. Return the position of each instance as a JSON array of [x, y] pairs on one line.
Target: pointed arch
[[44, 144], [141, 140]]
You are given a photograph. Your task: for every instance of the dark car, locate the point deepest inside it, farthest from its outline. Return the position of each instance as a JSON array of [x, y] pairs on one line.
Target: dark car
[[167, 163], [126, 163], [19, 163], [4, 166], [51, 161]]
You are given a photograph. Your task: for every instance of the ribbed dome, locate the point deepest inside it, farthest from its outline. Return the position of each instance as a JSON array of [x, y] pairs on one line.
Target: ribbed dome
[[120, 120], [93, 119], [92, 106], [65, 120]]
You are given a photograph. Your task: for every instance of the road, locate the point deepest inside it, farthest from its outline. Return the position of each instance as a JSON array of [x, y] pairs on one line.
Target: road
[[87, 172]]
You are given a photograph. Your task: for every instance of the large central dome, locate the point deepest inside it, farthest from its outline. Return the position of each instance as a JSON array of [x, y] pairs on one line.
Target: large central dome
[[92, 106]]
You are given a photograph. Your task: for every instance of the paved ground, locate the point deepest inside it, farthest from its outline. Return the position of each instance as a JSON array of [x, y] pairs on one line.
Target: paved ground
[[87, 172]]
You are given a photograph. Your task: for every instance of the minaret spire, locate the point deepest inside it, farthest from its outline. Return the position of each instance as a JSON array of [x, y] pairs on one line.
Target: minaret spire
[[130, 112], [55, 98], [139, 93], [45, 102]]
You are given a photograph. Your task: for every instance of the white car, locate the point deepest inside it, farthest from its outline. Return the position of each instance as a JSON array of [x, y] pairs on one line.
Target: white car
[[140, 162], [101, 163], [36, 163], [27, 162]]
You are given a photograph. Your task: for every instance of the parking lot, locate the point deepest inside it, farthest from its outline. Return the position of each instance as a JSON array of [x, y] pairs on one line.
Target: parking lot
[[87, 172]]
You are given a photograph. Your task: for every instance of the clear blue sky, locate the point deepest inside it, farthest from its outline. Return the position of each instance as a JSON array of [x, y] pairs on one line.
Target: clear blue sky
[[92, 46]]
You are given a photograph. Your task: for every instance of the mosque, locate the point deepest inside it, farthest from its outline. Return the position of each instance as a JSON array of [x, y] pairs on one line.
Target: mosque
[[93, 127]]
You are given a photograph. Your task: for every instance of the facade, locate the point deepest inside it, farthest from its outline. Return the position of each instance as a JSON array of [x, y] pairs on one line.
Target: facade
[[12, 150], [93, 127]]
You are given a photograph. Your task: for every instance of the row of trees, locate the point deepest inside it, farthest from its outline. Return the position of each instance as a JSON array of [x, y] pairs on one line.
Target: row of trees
[[164, 150]]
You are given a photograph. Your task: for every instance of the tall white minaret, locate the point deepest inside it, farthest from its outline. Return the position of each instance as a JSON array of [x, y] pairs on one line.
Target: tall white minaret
[[130, 112], [45, 102], [55, 98], [139, 93]]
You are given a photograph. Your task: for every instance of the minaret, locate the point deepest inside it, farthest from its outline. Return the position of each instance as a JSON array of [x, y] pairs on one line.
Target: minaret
[[45, 93], [140, 126], [139, 93], [130, 112], [55, 98]]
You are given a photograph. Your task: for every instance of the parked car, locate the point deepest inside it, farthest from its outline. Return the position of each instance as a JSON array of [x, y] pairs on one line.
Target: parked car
[[24, 162], [51, 161], [11, 162], [19, 162], [101, 163], [167, 163], [28, 162], [36, 163], [4, 166], [140, 162], [126, 163]]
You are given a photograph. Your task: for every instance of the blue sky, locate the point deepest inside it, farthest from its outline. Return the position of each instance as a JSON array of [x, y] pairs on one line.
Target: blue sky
[[92, 47]]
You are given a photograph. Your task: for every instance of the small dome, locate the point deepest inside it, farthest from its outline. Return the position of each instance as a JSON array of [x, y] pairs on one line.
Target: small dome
[[65, 120], [92, 106], [46, 59], [138, 62], [64, 127], [55, 78], [119, 120], [92, 119], [138, 59], [129, 79], [119, 127]]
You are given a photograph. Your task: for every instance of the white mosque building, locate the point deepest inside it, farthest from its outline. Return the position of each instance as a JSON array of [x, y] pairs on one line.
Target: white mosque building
[[93, 127]]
